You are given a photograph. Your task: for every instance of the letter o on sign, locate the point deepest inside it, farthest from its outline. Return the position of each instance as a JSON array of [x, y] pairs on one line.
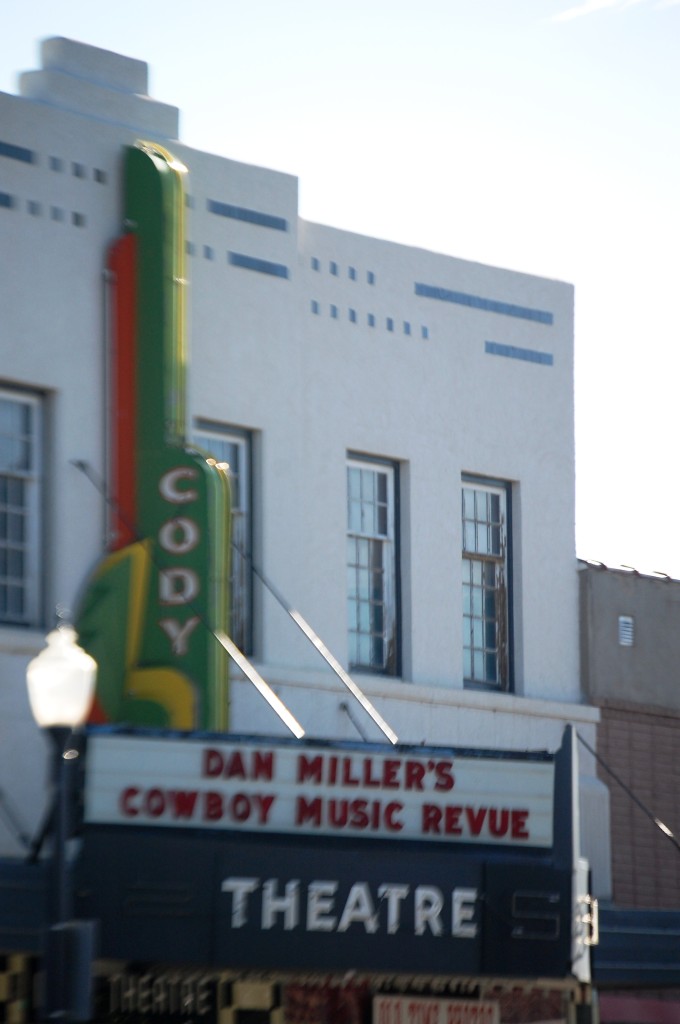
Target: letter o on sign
[[155, 802], [179, 535]]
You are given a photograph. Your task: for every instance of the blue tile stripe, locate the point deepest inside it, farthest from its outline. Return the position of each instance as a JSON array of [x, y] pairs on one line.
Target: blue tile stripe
[[263, 220], [529, 355], [27, 156], [430, 291], [238, 259]]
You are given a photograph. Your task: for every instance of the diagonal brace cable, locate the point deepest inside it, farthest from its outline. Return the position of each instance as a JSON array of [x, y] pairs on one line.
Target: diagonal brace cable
[[325, 653], [629, 792]]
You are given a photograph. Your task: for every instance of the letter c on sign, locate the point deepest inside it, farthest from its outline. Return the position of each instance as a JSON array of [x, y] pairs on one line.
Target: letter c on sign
[[126, 805], [168, 485]]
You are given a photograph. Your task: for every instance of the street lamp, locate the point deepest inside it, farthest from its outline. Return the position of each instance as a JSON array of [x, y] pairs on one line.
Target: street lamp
[[60, 684]]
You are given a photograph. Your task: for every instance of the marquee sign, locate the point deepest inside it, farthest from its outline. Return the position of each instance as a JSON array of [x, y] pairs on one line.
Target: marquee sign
[[274, 854], [259, 786]]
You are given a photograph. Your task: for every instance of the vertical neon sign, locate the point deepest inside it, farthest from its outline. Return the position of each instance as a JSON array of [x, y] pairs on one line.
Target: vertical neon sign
[[150, 611]]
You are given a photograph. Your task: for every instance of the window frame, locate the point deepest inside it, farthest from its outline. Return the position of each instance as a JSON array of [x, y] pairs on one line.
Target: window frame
[[503, 563], [390, 662], [31, 578], [204, 433]]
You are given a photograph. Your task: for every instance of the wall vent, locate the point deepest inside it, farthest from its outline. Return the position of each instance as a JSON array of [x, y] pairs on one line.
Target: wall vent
[[626, 630]]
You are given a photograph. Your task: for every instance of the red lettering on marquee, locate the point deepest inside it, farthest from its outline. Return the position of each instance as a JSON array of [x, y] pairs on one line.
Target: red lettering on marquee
[[415, 773], [444, 773], [309, 768], [213, 806], [391, 774], [519, 824], [475, 819], [308, 811], [446, 820], [354, 815], [126, 805], [453, 826], [233, 765], [498, 822], [373, 773]]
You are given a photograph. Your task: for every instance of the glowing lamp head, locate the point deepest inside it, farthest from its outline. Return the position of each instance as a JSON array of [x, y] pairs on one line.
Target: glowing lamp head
[[61, 681]]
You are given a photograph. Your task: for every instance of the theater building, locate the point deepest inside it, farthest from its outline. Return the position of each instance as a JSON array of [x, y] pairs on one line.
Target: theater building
[[383, 438]]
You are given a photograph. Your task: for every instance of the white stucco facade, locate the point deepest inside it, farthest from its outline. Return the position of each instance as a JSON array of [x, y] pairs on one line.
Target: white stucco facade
[[332, 344]]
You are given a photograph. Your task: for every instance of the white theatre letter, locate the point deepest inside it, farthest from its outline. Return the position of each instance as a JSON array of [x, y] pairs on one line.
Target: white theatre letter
[[463, 912], [429, 904], [319, 903], [359, 907], [288, 905], [394, 894], [240, 888]]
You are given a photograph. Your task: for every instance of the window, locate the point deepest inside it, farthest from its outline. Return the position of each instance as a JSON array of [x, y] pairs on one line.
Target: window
[[353, 316], [20, 484], [78, 169], [390, 323], [334, 268], [372, 566], [371, 320], [424, 332], [78, 220], [233, 446], [315, 307], [626, 630], [370, 277], [334, 312], [316, 264], [486, 605], [34, 208], [352, 274], [208, 252], [407, 327], [100, 176], [56, 163]]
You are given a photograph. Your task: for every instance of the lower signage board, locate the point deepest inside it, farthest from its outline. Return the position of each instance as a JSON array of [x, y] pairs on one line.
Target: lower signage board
[[139, 995], [300, 905], [175, 997]]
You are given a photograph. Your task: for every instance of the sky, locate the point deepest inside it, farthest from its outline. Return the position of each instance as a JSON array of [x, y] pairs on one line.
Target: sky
[[537, 135]]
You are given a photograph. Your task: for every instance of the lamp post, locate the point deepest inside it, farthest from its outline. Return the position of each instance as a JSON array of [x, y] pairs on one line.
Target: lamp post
[[60, 684]]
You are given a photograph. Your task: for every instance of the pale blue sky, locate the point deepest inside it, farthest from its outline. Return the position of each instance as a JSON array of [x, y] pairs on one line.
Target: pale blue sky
[[541, 135]]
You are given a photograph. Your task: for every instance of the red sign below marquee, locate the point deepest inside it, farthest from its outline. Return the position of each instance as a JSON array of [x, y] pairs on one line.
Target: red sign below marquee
[[416, 1010]]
